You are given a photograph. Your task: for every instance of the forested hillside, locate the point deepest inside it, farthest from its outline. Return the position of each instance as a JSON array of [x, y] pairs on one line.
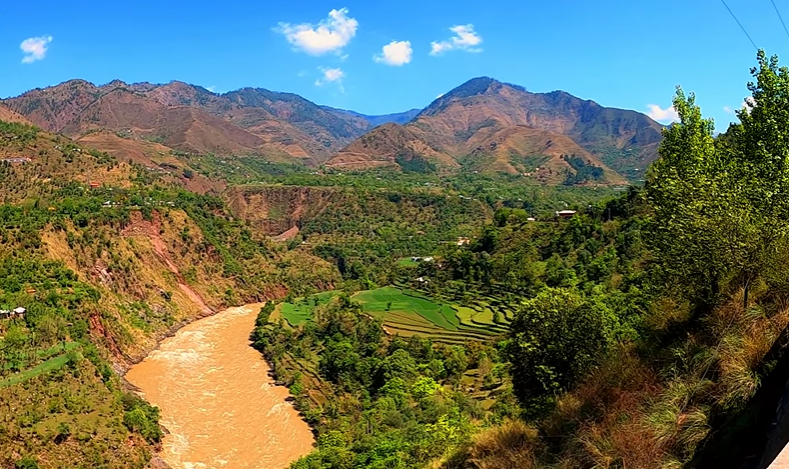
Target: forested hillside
[[636, 334]]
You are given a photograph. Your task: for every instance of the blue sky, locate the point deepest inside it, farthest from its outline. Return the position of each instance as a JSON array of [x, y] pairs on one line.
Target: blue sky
[[620, 53]]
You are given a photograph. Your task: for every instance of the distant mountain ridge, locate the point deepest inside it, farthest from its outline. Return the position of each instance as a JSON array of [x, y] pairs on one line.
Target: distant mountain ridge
[[191, 118], [491, 126], [401, 118], [481, 125]]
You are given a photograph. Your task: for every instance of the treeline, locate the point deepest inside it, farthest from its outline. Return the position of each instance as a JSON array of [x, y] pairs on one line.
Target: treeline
[[365, 233]]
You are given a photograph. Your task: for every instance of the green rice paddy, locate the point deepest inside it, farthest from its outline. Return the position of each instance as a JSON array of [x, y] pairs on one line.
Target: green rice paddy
[[381, 301], [407, 313]]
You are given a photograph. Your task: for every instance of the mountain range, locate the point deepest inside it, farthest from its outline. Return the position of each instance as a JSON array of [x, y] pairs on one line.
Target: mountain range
[[483, 125]]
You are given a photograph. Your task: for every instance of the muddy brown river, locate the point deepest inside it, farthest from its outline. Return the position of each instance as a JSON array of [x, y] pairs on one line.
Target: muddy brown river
[[217, 401]]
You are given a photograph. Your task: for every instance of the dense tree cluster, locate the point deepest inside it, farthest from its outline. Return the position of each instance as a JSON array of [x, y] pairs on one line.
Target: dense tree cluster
[[383, 403]]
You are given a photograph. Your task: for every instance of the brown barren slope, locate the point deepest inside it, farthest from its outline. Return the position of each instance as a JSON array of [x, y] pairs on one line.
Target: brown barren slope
[[192, 118], [381, 147], [538, 153], [125, 149], [182, 127], [8, 115]]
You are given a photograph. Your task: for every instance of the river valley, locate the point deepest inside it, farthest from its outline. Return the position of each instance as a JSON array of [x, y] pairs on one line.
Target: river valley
[[217, 400]]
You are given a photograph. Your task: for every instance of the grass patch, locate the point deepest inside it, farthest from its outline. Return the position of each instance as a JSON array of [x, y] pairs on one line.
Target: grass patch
[[407, 262], [302, 309], [50, 365], [389, 299], [408, 312]]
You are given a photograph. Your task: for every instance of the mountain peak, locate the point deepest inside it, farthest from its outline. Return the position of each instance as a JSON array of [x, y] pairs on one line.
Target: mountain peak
[[115, 84], [473, 87], [480, 86]]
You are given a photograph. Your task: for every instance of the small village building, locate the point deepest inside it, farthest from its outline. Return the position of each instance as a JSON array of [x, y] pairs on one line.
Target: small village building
[[421, 259], [5, 314], [16, 160], [565, 213], [462, 241], [20, 311]]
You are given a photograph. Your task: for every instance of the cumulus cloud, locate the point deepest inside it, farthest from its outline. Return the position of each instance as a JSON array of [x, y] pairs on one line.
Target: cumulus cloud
[[331, 75], [667, 115], [728, 110], [396, 53], [330, 35], [35, 48], [465, 39]]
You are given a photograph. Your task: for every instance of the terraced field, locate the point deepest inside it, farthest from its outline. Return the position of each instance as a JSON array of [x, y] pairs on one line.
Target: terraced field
[[407, 312], [382, 301]]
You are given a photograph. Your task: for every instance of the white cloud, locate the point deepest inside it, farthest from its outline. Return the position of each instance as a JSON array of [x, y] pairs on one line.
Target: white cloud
[[396, 53], [465, 39], [35, 48], [667, 115], [749, 103], [331, 75], [442, 94], [330, 35], [211, 88]]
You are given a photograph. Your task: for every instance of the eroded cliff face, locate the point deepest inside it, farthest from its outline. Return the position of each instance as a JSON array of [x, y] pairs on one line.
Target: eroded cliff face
[[158, 273], [275, 210]]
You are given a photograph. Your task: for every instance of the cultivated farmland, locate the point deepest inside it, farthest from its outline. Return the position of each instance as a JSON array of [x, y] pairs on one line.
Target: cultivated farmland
[[406, 312]]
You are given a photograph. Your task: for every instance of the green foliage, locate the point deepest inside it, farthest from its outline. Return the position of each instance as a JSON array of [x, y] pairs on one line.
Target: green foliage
[[410, 162], [556, 338], [16, 134], [583, 172], [141, 417], [264, 314], [719, 206], [402, 417], [27, 462]]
